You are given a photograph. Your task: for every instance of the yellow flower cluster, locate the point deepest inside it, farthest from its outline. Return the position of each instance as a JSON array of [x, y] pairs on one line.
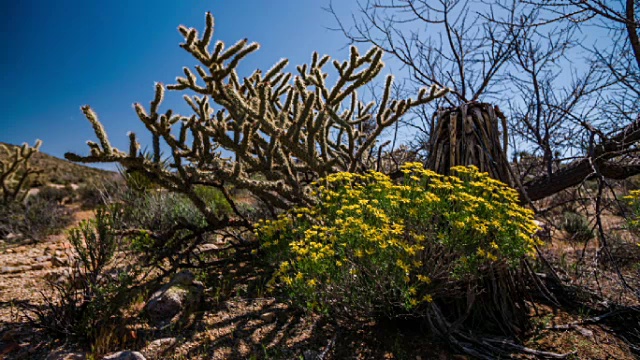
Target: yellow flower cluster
[[365, 225], [633, 220]]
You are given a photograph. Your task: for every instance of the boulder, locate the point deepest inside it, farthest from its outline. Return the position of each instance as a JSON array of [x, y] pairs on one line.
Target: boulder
[[175, 300]]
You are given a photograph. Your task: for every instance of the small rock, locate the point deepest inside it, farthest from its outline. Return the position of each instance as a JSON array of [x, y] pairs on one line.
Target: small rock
[[166, 304], [584, 331], [66, 356], [14, 269], [268, 317], [40, 266], [43, 258], [183, 278], [59, 261], [157, 348], [125, 355], [174, 300], [9, 251], [204, 248]]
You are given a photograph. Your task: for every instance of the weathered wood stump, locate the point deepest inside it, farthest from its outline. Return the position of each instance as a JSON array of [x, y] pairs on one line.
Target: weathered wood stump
[[468, 135]]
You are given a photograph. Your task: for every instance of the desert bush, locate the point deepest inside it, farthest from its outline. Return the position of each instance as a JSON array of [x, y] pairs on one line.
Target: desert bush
[[56, 194], [167, 223], [35, 219], [372, 247], [159, 211], [32, 217], [137, 180], [97, 290], [11, 216], [95, 193], [577, 226], [624, 252], [617, 206], [633, 215], [43, 218], [214, 198], [91, 196]]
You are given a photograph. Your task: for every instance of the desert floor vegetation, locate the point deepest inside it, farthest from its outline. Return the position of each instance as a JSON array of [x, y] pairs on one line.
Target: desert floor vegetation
[[274, 223]]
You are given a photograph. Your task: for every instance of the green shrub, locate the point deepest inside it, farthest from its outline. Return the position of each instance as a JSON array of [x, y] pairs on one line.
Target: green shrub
[[170, 218], [96, 292], [137, 181], [633, 215], [370, 246], [11, 216], [56, 194], [577, 227], [98, 193], [91, 196], [35, 219], [214, 198], [159, 211]]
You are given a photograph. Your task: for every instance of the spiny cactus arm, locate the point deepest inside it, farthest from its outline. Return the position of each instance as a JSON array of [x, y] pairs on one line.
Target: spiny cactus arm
[[98, 129], [287, 129], [15, 169], [240, 109], [8, 169], [212, 172], [390, 115], [246, 142]]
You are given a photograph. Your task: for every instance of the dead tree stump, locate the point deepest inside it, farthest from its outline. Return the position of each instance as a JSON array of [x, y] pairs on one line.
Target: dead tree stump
[[468, 135]]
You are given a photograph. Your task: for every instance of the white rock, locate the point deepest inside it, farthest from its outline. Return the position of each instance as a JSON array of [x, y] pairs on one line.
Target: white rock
[[125, 355]]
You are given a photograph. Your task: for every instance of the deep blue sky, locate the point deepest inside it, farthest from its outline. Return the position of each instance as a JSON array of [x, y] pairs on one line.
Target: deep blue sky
[[59, 55]]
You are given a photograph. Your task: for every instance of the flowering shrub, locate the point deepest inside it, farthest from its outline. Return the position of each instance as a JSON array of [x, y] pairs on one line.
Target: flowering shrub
[[372, 246], [633, 219]]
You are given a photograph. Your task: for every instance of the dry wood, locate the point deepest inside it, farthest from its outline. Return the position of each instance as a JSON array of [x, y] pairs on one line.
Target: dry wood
[[469, 135]]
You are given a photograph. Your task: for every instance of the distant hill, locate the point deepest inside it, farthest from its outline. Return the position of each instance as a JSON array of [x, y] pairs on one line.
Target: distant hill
[[63, 172]]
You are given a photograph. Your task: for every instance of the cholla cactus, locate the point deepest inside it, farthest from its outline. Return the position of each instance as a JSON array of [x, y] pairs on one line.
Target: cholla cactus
[[15, 171], [271, 133]]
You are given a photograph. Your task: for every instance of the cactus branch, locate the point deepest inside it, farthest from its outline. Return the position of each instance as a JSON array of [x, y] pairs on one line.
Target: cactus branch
[[282, 129]]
